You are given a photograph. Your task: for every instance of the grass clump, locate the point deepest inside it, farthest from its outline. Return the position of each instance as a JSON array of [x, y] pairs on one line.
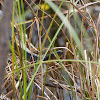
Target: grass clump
[[73, 75]]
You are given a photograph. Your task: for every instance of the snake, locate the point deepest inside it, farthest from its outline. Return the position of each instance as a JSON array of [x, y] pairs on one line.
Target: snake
[[35, 56]]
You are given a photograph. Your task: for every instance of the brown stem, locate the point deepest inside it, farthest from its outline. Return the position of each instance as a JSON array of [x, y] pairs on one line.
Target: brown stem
[[4, 37]]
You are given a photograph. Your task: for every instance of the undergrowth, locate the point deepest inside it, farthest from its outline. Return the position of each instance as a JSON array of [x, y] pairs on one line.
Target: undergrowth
[[74, 75]]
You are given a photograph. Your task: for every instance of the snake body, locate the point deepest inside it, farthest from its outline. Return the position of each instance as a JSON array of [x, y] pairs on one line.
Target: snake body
[[35, 56]]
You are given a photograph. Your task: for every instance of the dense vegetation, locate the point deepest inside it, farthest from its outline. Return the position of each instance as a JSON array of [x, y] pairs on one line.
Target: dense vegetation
[[46, 28]]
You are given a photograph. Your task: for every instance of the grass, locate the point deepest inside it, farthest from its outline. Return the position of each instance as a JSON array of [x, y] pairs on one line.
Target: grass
[[73, 75]]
